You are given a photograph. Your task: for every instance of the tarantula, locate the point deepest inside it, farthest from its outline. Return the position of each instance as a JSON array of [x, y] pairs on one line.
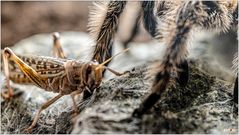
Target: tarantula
[[170, 22]]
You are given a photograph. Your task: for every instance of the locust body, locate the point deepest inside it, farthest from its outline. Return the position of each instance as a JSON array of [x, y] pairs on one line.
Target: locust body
[[59, 75]]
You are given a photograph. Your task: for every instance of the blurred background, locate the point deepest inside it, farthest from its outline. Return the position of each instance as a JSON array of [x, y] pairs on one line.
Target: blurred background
[[26, 18], [23, 19]]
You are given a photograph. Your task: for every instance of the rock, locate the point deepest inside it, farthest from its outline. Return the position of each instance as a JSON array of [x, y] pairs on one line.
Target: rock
[[197, 108], [204, 106]]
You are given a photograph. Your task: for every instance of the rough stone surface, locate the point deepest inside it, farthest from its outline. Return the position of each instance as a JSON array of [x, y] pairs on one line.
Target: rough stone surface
[[203, 106]]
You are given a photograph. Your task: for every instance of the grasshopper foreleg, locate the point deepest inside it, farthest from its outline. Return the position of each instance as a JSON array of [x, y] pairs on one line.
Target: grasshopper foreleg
[[44, 106], [73, 94]]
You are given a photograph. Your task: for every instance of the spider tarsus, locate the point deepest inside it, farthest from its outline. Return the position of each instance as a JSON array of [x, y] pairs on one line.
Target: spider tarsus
[[183, 75], [137, 113], [147, 104], [235, 92]]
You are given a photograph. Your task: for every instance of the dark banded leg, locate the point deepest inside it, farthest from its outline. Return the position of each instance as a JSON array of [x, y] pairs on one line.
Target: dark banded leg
[[107, 29], [104, 32], [173, 59], [149, 19], [159, 86], [188, 15], [183, 74]]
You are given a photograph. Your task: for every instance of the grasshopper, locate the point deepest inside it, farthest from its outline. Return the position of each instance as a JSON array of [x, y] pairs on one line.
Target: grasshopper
[[59, 74]]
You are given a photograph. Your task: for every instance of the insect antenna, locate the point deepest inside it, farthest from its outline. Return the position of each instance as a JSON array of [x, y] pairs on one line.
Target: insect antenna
[[108, 60]]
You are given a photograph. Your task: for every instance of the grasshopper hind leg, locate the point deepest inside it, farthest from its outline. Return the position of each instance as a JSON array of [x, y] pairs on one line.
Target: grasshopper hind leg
[[8, 94], [26, 69]]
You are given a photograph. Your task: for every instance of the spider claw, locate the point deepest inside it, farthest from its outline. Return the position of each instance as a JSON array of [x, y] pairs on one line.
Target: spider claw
[[184, 74], [235, 93], [146, 105], [137, 113]]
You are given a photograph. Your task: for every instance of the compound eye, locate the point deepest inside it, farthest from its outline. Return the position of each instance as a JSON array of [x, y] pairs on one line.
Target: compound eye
[[95, 62]]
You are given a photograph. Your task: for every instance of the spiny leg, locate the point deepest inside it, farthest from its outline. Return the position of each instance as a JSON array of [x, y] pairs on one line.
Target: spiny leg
[[149, 19], [103, 29], [159, 86], [57, 48], [44, 106], [189, 14], [150, 24], [175, 55], [104, 18]]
